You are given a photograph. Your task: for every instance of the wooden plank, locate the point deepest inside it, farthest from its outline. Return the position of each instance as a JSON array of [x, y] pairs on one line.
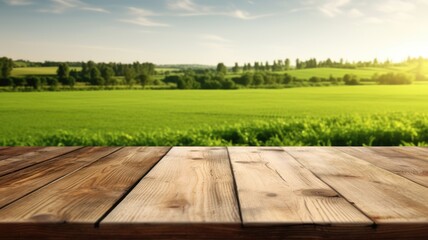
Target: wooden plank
[[16, 163], [190, 185], [413, 152], [86, 195], [384, 196], [274, 188], [15, 151], [21, 183], [396, 162]]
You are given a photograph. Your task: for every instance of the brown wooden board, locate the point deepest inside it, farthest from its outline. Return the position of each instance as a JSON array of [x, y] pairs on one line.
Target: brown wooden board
[[382, 195], [392, 160], [21, 183], [190, 185], [86, 195], [413, 152], [19, 162], [274, 188], [15, 151]]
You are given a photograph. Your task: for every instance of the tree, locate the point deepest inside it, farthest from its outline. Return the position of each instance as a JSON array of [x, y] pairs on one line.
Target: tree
[[245, 80], [33, 82], [221, 68], [52, 82], [6, 67], [63, 72], [107, 73], [287, 64], [394, 79], [95, 76], [235, 69], [258, 79], [129, 75], [350, 79], [144, 79]]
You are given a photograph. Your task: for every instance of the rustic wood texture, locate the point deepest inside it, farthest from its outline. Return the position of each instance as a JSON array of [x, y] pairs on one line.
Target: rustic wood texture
[[18, 162], [84, 196], [209, 192], [189, 185], [15, 151], [274, 188], [384, 196], [394, 160], [413, 152], [15, 186]]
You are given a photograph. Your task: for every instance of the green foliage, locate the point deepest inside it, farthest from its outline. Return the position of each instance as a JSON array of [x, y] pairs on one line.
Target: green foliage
[[355, 130], [63, 72], [349, 79], [28, 116], [393, 79], [6, 66], [144, 79], [221, 68]]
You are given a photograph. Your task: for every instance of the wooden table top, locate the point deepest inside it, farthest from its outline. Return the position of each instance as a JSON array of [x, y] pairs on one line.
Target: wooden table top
[[214, 192]]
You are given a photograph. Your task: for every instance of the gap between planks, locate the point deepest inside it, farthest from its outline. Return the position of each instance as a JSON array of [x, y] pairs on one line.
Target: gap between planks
[[97, 223], [29, 180]]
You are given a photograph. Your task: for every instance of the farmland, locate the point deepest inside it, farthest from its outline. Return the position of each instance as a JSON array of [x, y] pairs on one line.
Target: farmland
[[313, 116]]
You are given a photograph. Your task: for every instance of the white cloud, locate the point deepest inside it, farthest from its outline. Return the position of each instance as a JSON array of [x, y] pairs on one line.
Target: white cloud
[[189, 8], [142, 17], [332, 8], [246, 16], [18, 2], [187, 5], [60, 6]]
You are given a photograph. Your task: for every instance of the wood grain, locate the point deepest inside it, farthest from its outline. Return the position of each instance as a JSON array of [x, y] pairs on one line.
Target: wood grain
[[384, 196], [85, 195], [420, 153], [18, 162], [15, 151], [394, 161], [21, 183], [189, 185], [274, 188]]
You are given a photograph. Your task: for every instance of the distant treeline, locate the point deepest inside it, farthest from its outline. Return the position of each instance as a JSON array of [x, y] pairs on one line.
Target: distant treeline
[[221, 77]]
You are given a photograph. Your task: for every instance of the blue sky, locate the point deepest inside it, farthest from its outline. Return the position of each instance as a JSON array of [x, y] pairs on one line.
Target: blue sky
[[207, 32]]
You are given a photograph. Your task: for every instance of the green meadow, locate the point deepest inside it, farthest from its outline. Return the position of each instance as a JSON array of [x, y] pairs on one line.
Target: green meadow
[[342, 115]]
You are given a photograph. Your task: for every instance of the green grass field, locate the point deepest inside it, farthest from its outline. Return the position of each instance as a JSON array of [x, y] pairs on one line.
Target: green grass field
[[35, 118], [37, 71]]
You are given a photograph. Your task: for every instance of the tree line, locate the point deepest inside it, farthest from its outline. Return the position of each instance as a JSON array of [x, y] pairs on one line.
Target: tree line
[[220, 77]]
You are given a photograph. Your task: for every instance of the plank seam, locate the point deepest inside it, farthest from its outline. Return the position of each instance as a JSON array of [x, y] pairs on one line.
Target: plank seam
[[59, 178], [349, 154], [129, 190], [47, 160], [235, 187], [374, 225]]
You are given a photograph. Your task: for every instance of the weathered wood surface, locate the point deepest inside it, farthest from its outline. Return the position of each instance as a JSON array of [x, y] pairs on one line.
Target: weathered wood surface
[[190, 185], [274, 188], [30, 158], [384, 196], [397, 160], [15, 186], [85, 196], [8, 152], [214, 192]]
